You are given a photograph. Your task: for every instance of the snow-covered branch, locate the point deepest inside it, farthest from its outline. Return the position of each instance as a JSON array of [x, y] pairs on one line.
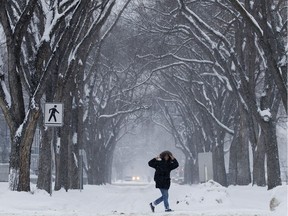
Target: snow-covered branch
[[5, 95], [54, 17], [122, 112], [219, 123], [247, 16]]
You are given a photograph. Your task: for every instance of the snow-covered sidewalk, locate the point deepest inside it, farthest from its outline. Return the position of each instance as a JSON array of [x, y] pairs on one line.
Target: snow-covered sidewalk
[[208, 199]]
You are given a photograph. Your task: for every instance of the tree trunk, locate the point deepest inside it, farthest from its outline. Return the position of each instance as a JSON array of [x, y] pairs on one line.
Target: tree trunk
[[89, 176], [232, 179], [64, 158], [109, 159], [259, 178], [239, 166], [77, 126], [73, 151], [99, 171], [45, 162], [44, 180], [25, 150], [269, 102], [24, 169], [90, 170], [100, 166], [74, 180], [191, 175], [57, 150], [90, 150], [219, 171], [14, 164], [271, 148]]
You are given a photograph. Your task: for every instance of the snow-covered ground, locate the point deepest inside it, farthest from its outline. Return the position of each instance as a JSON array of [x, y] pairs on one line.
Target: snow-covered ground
[[208, 199]]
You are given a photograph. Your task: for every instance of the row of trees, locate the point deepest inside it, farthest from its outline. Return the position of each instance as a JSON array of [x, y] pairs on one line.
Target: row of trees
[[201, 64], [52, 54], [222, 74]]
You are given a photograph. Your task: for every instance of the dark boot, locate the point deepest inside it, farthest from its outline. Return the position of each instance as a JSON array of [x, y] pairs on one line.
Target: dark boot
[[152, 207]]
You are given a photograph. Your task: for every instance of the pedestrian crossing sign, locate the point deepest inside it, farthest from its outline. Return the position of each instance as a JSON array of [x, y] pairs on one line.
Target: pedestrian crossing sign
[[53, 114]]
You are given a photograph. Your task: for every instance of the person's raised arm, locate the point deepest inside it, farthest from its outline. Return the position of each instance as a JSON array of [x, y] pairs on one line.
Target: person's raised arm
[[153, 162], [174, 163]]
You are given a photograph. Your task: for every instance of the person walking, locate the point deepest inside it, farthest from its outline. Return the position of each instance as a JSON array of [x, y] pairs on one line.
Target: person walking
[[163, 165]]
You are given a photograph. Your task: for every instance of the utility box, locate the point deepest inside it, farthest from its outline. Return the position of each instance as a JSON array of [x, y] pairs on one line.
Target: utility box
[[205, 163]]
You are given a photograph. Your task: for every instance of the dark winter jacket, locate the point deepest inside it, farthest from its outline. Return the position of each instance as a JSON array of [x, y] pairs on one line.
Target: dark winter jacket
[[162, 173]]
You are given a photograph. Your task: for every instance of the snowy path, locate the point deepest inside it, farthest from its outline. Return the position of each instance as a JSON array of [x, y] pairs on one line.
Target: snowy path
[[133, 200]]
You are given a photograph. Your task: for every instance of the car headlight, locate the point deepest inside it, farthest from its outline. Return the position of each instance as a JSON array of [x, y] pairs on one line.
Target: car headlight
[[135, 178]]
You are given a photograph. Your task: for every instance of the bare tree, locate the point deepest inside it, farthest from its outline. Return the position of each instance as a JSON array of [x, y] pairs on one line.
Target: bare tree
[[191, 37], [48, 46]]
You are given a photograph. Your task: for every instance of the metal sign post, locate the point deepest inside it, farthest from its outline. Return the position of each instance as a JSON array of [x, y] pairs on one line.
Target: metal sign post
[[53, 117], [81, 154], [51, 162]]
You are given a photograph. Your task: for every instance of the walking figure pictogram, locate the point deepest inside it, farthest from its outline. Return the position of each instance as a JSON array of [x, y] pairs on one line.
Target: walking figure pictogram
[[53, 111]]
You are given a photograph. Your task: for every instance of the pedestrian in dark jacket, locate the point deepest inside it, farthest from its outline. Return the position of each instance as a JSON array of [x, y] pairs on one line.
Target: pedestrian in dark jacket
[[163, 164]]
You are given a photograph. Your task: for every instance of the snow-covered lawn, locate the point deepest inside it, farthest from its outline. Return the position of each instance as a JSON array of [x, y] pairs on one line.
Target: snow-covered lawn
[[208, 199]]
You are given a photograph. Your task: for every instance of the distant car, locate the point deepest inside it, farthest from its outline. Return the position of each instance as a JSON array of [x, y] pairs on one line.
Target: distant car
[[135, 178], [132, 178]]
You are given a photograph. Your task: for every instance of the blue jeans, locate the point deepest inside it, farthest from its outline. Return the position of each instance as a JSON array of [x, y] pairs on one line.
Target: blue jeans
[[164, 198]]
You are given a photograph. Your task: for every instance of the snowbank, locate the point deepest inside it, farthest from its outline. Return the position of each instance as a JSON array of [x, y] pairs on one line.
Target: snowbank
[[210, 199], [278, 202], [210, 193]]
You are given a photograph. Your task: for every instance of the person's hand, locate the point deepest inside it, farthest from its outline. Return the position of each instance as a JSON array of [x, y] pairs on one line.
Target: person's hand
[[158, 158], [171, 156]]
